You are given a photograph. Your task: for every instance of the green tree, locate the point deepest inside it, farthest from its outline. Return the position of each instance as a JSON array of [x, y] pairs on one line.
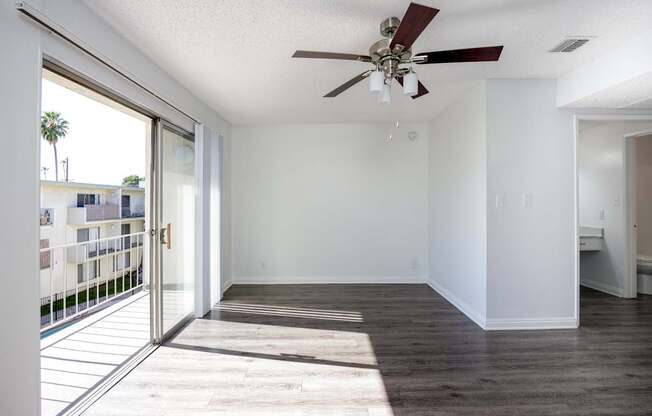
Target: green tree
[[53, 128], [132, 180]]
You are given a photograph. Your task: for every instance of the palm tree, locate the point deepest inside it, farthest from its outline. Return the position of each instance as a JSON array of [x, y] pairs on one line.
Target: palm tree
[[53, 128]]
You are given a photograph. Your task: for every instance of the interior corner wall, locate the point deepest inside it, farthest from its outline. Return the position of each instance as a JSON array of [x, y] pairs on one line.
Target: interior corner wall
[[531, 260], [329, 203], [601, 147], [457, 214]]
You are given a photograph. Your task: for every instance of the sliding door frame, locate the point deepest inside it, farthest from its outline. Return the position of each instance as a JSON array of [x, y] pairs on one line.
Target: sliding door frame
[[121, 94], [159, 334]]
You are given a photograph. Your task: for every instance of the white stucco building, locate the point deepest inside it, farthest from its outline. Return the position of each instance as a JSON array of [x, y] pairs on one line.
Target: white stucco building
[[74, 215]]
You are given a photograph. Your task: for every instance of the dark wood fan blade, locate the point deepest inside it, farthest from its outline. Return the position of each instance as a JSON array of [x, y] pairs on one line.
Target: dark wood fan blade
[[331, 55], [421, 91], [489, 53], [413, 23], [348, 84]]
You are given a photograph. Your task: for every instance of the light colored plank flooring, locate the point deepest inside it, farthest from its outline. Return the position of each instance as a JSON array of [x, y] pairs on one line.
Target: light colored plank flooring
[[389, 350]]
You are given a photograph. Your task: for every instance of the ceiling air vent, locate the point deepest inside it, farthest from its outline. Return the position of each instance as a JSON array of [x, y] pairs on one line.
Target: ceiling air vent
[[569, 45]]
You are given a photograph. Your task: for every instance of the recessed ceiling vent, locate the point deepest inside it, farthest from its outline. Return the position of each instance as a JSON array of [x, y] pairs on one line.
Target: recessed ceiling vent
[[569, 45]]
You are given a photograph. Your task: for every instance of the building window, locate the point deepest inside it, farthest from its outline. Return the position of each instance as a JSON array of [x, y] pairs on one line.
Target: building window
[[87, 199], [125, 229], [121, 262], [47, 216], [45, 256], [89, 234], [87, 273]]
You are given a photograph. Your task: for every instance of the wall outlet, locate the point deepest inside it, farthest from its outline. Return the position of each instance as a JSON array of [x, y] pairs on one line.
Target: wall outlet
[[527, 200], [263, 265], [602, 214], [414, 264]]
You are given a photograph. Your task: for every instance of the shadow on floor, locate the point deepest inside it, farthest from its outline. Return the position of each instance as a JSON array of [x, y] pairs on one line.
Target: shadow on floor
[[431, 359]]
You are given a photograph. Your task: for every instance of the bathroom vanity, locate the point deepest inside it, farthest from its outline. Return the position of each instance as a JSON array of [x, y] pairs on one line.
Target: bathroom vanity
[[591, 238]]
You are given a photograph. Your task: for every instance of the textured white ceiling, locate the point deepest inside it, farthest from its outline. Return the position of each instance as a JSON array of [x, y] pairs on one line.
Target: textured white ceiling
[[235, 55]]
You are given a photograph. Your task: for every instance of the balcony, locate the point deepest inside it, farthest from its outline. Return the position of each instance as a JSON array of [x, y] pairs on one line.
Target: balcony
[[104, 269], [82, 353], [137, 211], [93, 213], [89, 329]]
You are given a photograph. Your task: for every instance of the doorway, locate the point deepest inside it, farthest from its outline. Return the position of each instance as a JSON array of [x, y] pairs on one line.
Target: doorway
[[638, 215], [117, 237], [607, 211]]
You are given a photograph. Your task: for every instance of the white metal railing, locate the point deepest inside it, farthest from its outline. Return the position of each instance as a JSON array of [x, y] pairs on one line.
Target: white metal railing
[[84, 276]]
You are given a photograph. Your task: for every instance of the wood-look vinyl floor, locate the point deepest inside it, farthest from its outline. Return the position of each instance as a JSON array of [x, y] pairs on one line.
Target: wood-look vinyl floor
[[389, 350]]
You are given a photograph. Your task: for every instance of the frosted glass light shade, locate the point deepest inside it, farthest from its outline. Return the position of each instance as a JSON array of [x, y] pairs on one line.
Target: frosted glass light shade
[[376, 81], [386, 95], [410, 84]]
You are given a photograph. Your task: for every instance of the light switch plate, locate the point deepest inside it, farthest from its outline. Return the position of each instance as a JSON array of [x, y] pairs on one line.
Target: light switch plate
[[500, 200]]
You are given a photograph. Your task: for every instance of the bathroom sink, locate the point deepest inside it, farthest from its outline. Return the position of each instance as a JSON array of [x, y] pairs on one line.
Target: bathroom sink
[[591, 238]]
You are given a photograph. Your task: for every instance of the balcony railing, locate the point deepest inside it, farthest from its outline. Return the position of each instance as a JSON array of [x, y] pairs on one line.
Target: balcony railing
[[137, 211], [92, 213], [100, 249], [115, 269]]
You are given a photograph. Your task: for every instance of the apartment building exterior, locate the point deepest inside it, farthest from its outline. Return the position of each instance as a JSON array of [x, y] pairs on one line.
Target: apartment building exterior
[[98, 232]]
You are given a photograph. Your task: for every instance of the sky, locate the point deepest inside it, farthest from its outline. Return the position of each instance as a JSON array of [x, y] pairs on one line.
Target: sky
[[103, 145]]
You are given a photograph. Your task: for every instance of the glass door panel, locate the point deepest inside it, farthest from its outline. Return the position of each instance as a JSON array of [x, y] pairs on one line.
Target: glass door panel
[[177, 226]]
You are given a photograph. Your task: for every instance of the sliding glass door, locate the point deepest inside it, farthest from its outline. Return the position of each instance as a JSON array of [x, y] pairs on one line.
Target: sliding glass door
[[176, 227]]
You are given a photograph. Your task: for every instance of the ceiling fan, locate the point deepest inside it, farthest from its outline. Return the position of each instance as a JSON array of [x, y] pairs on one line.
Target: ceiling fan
[[392, 56]]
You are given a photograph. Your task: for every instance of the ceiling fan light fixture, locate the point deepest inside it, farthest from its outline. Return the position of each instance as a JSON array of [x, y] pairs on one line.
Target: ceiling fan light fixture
[[386, 95], [410, 84], [376, 81], [392, 56]]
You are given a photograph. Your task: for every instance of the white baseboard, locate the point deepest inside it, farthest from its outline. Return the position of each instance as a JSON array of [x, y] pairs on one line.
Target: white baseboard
[[531, 323], [227, 286], [317, 280], [463, 307], [602, 287]]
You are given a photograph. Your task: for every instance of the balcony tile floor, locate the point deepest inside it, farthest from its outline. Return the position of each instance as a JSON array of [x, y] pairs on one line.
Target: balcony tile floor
[[78, 357]]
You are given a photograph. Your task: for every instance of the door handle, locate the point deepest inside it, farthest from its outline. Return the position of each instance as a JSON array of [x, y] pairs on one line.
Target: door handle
[[166, 236]]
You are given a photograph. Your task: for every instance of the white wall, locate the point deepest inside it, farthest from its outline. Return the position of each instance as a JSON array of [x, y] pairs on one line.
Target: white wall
[[644, 194], [457, 212], [502, 206], [329, 203], [601, 188], [19, 239], [21, 46], [531, 249]]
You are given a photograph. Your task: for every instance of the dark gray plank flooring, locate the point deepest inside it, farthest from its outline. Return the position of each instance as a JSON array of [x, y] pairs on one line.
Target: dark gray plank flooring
[[389, 350]]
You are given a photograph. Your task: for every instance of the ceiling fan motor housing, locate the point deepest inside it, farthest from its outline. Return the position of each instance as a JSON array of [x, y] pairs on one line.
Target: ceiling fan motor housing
[[381, 52], [389, 26]]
